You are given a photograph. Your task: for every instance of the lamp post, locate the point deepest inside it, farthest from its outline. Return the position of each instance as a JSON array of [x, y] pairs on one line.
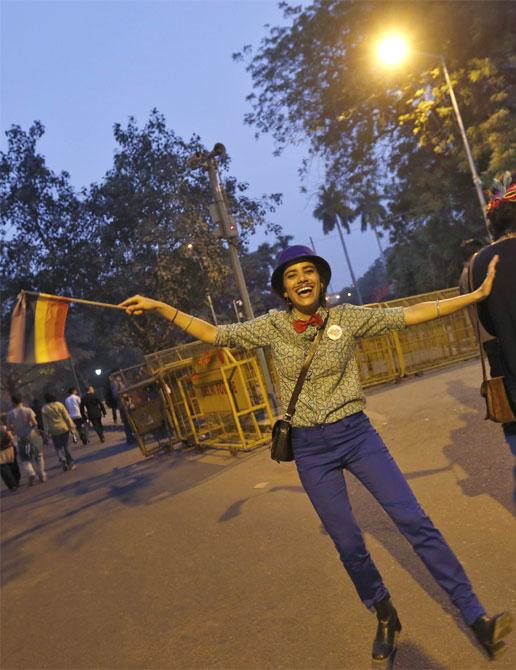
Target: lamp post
[[228, 231], [394, 49]]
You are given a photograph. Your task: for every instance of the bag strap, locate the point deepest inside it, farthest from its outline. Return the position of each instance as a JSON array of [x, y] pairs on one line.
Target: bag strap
[[477, 320], [300, 380]]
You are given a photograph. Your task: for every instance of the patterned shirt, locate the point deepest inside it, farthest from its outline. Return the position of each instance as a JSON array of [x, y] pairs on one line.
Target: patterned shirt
[[332, 388]]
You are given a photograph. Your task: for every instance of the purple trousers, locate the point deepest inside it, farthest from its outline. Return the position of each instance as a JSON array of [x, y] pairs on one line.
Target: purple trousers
[[322, 453]]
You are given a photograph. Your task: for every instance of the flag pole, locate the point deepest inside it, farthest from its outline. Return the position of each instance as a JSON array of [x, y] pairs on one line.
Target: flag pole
[[49, 296]]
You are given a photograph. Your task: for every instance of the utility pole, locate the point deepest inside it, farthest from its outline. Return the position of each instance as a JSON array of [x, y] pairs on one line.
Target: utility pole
[[477, 182], [228, 231]]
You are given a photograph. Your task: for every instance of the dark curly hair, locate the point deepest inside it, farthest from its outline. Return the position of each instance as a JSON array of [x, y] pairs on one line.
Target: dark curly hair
[[502, 220]]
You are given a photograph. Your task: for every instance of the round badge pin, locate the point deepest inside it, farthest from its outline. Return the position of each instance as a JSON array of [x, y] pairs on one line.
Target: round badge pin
[[334, 332]]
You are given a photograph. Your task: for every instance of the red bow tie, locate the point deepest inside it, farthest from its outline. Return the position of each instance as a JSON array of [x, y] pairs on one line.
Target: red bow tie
[[300, 325]]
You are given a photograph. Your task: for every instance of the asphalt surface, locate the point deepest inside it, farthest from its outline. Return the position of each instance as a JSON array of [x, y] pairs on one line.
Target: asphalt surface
[[189, 560]]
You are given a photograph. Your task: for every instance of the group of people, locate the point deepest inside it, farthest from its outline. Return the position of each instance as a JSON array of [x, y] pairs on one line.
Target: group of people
[[27, 430]]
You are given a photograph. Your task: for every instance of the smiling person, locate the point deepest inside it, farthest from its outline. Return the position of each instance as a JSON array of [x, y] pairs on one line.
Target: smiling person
[[331, 433]]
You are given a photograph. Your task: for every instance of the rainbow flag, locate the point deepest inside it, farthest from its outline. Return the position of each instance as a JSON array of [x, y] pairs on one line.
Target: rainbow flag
[[37, 330]]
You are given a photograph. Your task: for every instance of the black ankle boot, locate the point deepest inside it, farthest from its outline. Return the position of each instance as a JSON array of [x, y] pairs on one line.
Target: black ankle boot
[[389, 626], [489, 632]]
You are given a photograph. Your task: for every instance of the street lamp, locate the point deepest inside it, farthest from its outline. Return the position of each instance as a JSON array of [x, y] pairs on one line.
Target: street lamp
[[392, 50], [228, 231]]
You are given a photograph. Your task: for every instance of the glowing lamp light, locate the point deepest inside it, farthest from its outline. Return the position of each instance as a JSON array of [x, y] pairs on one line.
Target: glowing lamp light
[[349, 295], [392, 50], [98, 372]]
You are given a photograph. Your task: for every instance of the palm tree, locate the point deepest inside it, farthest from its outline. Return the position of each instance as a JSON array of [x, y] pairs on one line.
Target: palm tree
[[333, 211], [372, 214]]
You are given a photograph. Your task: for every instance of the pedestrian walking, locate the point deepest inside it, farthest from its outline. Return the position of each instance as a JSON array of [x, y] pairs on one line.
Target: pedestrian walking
[[9, 469], [73, 405], [58, 424], [331, 431], [36, 408], [93, 409], [111, 398], [22, 422], [123, 403]]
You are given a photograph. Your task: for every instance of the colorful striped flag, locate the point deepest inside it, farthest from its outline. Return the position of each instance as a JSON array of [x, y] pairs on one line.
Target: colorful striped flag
[[37, 330]]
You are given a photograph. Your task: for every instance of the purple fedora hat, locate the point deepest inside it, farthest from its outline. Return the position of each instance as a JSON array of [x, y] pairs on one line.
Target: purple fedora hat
[[295, 254]]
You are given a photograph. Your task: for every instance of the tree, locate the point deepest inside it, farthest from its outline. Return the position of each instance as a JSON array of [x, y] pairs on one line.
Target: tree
[[42, 224], [43, 232], [393, 135], [152, 214], [143, 228], [374, 284], [333, 211]]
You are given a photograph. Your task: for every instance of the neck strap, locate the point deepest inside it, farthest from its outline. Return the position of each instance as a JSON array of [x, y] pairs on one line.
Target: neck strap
[[299, 384]]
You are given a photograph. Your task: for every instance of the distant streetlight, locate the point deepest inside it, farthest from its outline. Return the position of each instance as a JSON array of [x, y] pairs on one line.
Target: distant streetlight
[[392, 50], [98, 372]]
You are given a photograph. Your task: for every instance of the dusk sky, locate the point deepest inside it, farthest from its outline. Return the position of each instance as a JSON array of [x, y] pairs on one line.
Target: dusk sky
[[79, 67]]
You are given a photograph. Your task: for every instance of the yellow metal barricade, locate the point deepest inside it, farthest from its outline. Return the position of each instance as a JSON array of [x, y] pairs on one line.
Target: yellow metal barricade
[[232, 400], [200, 396], [145, 410], [418, 348], [222, 399]]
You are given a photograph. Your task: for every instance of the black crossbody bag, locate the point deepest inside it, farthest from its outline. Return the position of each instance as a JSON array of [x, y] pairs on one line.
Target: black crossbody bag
[[281, 448]]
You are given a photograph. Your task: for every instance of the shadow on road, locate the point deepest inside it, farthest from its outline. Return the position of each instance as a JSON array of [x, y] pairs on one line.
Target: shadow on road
[[372, 520], [88, 454], [235, 509], [484, 466], [411, 655], [145, 482]]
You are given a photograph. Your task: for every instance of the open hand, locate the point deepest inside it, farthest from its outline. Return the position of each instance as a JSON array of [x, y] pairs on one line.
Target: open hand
[[138, 304], [485, 287]]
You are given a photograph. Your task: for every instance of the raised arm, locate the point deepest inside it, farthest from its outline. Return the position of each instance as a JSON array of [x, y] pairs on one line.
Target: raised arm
[[201, 330], [427, 311]]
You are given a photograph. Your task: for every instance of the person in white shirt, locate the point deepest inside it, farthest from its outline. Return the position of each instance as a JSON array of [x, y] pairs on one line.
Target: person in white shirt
[[73, 405]]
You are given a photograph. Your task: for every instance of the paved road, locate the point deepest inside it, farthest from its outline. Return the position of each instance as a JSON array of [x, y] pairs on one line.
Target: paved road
[[208, 561]]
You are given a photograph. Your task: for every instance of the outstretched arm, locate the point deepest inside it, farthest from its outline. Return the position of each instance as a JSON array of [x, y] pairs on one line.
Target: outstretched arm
[[427, 311], [201, 330]]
